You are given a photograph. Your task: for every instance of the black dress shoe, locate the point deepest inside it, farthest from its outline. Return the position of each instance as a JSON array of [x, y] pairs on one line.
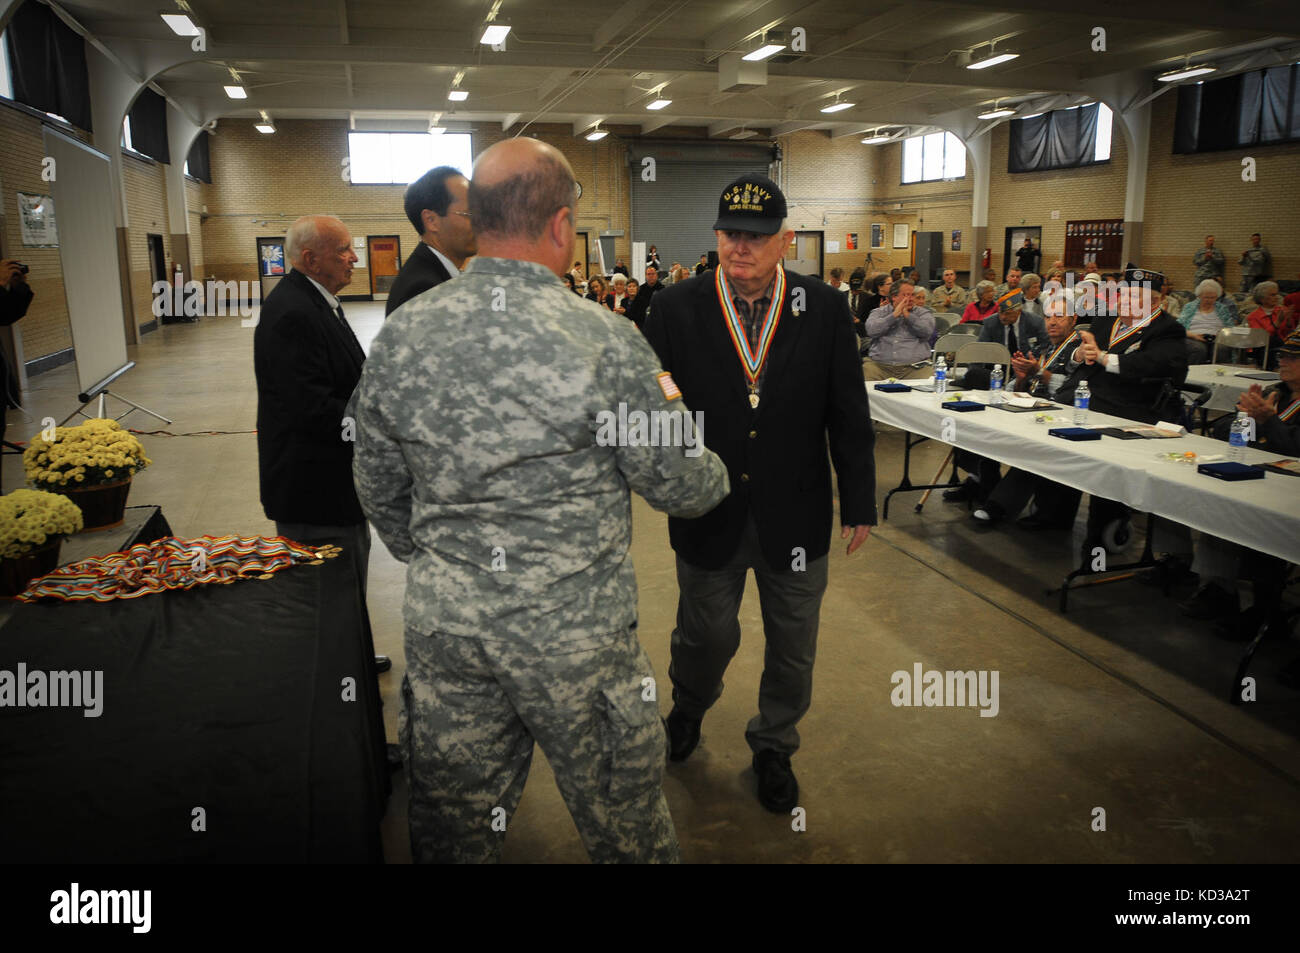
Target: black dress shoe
[[962, 494], [1210, 602], [683, 735], [383, 663], [778, 791]]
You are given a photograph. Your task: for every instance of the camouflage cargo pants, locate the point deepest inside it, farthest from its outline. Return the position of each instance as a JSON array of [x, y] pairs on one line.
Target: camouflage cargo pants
[[472, 709]]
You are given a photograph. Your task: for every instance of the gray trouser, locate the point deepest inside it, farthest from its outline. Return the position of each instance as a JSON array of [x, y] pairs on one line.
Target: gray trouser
[[357, 534], [708, 634], [472, 709]]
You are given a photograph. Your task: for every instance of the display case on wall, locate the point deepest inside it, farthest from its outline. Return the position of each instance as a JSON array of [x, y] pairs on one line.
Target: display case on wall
[[1100, 240]]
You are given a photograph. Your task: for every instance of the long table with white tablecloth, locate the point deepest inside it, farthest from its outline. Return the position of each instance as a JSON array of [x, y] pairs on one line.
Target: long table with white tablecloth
[[1227, 382], [1259, 514]]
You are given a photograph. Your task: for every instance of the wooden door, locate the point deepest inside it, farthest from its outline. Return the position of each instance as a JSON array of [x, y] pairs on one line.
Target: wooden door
[[384, 252]]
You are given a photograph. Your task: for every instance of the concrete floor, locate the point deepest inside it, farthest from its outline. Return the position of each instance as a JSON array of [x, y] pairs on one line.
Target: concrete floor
[[1120, 704]]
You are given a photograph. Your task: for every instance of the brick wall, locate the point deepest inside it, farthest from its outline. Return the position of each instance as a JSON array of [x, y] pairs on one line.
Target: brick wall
[[45, 328], [196, 196], [144, 184], [1189, 197], [1029, 198], [297, 171]]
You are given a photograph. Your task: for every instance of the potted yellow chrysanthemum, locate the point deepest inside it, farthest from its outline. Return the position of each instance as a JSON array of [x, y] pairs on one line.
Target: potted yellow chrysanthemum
[[92, 463], [32, 526]]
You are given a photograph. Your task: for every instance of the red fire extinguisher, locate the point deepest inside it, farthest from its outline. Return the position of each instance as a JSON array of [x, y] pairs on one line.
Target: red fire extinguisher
[[986, 260]]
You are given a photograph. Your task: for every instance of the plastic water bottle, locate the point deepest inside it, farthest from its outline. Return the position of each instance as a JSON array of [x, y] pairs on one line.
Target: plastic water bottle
[[995, 384], [1239, 437], [1082, 397], [940, 375]]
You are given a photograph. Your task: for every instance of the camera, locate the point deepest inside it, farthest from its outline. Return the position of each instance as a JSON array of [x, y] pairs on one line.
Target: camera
[[21, 267]]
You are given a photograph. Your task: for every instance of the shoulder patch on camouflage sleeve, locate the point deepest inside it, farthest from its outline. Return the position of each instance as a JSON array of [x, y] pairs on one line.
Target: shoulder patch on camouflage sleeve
[[668, 386]]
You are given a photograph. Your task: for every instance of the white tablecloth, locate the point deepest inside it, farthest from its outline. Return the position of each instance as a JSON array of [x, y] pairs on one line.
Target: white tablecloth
[[1259, 514], [1227, 386]]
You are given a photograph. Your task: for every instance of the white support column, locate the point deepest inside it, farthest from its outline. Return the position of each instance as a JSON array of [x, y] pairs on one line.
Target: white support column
[[977, 149], [1137, 133], [181, 133]]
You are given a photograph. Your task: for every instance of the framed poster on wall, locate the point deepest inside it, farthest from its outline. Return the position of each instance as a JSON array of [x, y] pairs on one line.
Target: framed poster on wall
[[902, 235], [36, 223], [956, 239], [877, 235]]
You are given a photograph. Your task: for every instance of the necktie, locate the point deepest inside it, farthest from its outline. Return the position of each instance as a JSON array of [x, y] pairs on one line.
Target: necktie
[[1011, 338]]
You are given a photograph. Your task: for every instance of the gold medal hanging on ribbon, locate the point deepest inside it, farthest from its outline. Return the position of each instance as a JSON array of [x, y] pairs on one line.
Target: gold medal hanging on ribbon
[[751, 362]]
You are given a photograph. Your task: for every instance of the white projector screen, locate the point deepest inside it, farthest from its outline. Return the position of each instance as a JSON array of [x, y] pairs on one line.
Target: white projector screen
[[83, 209]]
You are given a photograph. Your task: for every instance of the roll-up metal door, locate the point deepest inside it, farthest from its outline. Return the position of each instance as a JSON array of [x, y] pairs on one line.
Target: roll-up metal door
[[677, 210]]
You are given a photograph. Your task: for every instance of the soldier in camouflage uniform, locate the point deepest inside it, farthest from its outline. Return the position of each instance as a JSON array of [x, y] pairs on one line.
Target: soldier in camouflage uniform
[[1256, 264], [1209, 263], [484, 462], [948, 297]]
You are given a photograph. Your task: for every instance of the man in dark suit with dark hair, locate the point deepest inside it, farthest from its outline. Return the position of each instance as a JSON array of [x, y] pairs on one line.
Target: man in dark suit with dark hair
[[307, 362], [437, 204], [639, 309], [770, 360]]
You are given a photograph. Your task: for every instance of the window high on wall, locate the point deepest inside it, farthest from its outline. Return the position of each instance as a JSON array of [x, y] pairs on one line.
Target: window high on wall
[[396, 158], [6, 84], [933, 158], [1060, 139]]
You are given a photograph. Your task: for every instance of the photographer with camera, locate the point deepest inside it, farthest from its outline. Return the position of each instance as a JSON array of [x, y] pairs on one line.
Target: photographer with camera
[[15, 296]]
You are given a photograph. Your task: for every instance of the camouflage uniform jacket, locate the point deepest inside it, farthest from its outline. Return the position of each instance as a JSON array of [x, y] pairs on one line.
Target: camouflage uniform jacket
[[481, 464]]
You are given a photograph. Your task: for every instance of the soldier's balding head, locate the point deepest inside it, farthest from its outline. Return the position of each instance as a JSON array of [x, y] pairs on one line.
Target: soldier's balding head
[[523, 200]]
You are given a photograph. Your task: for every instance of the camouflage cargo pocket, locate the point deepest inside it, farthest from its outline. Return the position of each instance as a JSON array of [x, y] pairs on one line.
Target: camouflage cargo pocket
[[632, 745]]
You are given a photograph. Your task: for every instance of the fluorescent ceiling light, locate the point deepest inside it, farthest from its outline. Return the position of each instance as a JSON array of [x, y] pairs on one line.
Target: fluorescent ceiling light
[[236, 92], [997, 113], [266, 128], [743, 134], [458, 95], [180, 23], [659, 104], [494, 33], [437, 130], [597, 134], [837, 107], [1036, 115], [1187, 72], [993, 59], [764, 51], [874, 140]]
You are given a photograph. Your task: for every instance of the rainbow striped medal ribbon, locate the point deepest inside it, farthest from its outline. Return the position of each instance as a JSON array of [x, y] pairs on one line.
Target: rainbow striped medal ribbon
[[1132, 330], [1290, 411], [1074, 336], [753, 363]]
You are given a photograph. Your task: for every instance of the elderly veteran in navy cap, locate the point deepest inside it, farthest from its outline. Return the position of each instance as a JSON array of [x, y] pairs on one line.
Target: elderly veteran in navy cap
[[1025, 335], [770, 359]]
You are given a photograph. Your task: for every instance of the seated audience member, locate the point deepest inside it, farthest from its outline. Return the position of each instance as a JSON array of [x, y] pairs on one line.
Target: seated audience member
[[921, 297], [1024, 336], [633, 288], [858, 299], [1133, 366], [597, 292], [1013, 281], [837, 280], [1054, 505], [640, 306], [988, 275], [1271, 316], [703, 265], [1204, 318], [881, 287], [895, 275], [1032, 287], [983, 303], [569, 280], [1292, 301], [948, 297], [620, 268], [1219, 563], [618, 297], [900, 336], [914, 276]]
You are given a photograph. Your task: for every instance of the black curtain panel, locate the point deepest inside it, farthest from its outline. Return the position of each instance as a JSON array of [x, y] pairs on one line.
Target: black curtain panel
[[1061, 139], [149, 126], [1252, 98], [199, 161], [47, 62], [1275, 103], [1187, 119], [1221, 108]]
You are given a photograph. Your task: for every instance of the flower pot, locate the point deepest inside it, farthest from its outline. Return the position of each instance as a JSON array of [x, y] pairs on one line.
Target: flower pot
[[101, 506], [17, 573]]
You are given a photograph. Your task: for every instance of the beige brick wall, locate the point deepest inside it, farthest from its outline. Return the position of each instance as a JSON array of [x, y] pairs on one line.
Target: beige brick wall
[[297, 171], [144, 184], [1029, 198], [195, 197], [45, 328], [1189, 197]]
